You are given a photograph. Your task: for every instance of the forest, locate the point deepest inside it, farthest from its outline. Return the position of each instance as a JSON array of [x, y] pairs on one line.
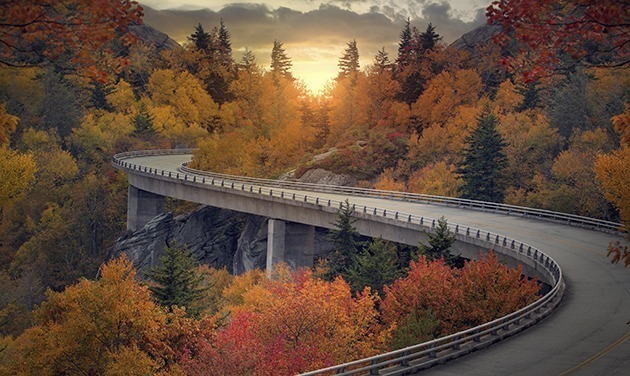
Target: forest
[[538, 119]]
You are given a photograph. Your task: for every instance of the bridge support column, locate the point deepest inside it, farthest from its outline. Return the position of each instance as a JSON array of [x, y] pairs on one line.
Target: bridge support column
[[142, 206], [292, 243]]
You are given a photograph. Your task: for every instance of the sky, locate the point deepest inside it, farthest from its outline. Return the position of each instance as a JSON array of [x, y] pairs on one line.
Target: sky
[[314, 33]]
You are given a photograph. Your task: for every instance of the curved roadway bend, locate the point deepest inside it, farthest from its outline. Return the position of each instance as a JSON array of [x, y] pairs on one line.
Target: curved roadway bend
[[588, 334]]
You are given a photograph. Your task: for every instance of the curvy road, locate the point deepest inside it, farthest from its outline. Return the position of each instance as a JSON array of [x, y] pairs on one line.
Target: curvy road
[[589, 332]]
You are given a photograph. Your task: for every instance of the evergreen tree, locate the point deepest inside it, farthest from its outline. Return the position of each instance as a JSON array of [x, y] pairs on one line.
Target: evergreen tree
[[349, 62], [405, 46], [143, 122], [201, 39], [440, 243], [483, 160], [346, 240], [322, 124], [248, 60], [280, 62], [225, 44], [429, 38], [177, 284], [381, 60], [375, 266]]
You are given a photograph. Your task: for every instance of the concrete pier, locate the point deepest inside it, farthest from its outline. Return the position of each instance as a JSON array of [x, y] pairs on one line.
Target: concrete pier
[[291, 243], [142, 206]]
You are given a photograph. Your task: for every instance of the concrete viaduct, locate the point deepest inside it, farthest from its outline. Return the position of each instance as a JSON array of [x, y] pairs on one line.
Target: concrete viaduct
[[588, 332]]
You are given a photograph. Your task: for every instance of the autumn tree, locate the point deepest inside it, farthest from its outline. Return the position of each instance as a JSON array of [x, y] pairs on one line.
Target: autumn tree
[[292, 324], [79, 32], [613, 173], [176, 283], [85, 328], [18, 174], [556, 37], [483, 160]]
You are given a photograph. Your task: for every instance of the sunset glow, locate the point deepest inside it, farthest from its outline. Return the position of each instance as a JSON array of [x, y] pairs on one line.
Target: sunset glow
[[314, 34]]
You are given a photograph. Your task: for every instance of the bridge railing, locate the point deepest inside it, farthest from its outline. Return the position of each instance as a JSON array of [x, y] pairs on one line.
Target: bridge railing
[[570, 219], [425, 354]]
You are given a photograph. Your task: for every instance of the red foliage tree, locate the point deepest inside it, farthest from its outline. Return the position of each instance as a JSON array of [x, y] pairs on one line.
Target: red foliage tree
[[558, 35], [44, 32]]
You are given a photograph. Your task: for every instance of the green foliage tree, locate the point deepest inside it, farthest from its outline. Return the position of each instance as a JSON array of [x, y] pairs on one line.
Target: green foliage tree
[[143, 122], [280, 62], [225, 44], [429, 38], [349, 62], [483, 160], [346, 240], [440, 242], [201, 39], [176, 283], [376, 266]]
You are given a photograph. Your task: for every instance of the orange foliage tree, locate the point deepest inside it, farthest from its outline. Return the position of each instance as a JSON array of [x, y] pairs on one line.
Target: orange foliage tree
[[448, 300], [590, 32], [293, 324], [43, 32]]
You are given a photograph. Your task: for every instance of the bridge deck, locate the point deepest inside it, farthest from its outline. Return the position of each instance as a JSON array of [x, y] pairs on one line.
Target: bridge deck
[[588, 334]]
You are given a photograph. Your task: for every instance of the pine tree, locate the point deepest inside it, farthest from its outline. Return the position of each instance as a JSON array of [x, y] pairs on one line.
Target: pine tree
[[248, 60], [483, 160], [440, 243], [375, 266], [280, 62], [176, 283], [381, 60], [349, 62], [201, 39], [404, 46], [346, 240], [225, 42], [143, 122], [429, 39]]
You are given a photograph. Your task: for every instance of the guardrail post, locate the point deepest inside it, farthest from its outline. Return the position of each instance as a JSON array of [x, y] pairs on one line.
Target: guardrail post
[[432, 354], [405, 362], [374, 371]]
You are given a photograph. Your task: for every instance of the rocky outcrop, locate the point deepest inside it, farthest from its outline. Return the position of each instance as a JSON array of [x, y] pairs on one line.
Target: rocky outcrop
[[473, 39], [153, 37], [216, 237], [211, 234], [321, 176]]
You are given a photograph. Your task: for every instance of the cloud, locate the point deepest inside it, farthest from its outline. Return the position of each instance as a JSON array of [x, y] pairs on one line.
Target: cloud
[[318, 34]]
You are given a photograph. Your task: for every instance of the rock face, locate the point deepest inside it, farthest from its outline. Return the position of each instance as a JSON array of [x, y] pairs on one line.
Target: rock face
[[211, 235], [154, 37], [216, 237], [321, 176], [472, 39]]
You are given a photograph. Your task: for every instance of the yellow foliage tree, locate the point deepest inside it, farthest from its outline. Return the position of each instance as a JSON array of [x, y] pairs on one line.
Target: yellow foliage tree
[[437, 179], [91, 326], [18, 174], [613, 174]]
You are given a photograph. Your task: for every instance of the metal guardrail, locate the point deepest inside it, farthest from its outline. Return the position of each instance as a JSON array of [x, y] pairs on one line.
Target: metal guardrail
[[411, 358]]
